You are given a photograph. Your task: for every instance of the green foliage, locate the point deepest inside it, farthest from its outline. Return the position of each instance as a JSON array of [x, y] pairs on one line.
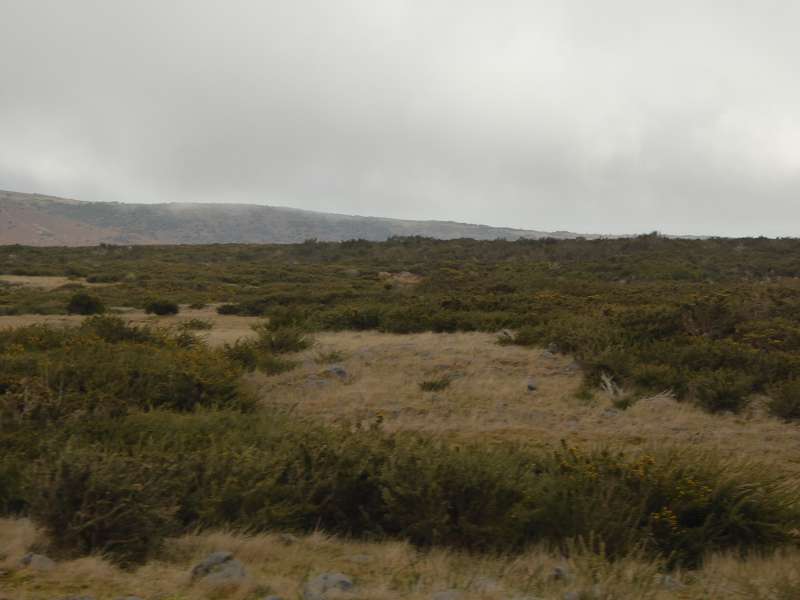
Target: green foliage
[[435, 385], [784, 400], [162, 307], [85, 304], [723, 390], [165, 472], [196, 325], [280, 340], [111, 504], [106, 367]]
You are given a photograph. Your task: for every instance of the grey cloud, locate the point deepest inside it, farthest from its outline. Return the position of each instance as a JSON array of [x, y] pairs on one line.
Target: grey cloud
[[619, 116]]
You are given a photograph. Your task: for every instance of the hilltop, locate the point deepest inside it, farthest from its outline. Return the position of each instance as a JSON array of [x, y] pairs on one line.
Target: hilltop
[[38, 220]]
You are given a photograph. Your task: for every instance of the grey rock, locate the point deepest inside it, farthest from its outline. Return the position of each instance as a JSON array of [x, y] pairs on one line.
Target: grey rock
[[610, 412], [37, 562], [219, 568], [561, 574], [447, 595], [553, 348], [338, 371], [287, 539], [572, 596], [485, 585], [128, 598], [272, 598], [669, 582], [532, 387], [360, 558], [318, 588], [506, 336]]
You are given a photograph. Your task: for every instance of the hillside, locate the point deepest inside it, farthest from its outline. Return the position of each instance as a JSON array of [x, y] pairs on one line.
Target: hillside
[[33, 219]]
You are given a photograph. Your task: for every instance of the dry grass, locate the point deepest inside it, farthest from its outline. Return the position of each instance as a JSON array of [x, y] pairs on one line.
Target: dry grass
[[46, 282], [227, 328], [488, 398], [279, 564]]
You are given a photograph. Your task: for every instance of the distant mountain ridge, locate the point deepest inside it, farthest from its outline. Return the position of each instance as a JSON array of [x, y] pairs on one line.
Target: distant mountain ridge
[[38, 220]]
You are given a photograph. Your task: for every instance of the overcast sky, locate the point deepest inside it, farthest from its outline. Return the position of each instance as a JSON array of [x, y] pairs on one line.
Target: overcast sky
[[610, 116]]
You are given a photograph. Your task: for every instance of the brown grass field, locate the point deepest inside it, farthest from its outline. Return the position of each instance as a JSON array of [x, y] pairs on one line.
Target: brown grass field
[[279, 564]]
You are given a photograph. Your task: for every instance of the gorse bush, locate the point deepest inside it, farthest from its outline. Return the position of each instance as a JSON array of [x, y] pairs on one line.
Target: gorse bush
[[784, 400], [85, 304], [162, 307], [169, 473], [435, 385], [280, 340], [107, 367], [110, 504]]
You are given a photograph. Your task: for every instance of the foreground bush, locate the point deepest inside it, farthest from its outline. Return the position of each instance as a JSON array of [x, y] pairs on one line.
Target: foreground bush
[[264, 473], [108, 504]]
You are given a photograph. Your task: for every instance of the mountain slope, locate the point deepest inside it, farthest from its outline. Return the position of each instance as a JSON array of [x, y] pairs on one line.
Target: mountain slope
[[38, 220]]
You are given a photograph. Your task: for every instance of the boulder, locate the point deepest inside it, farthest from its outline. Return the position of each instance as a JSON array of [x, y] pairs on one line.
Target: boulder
[[219, 568], [337, 371], [318, 588], [532, 386], [37, 562], [447, 595]]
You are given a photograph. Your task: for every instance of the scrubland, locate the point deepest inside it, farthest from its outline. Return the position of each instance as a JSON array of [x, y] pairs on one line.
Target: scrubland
[[582, 419]]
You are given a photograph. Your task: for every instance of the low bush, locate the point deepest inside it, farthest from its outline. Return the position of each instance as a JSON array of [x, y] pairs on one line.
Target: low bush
[[435, 385], [107, 367], [784, 400], [263, 473], [104, 278], [723, 390], [281, 340], [196, 325], [85, 304], [162, 308], [111, 504]]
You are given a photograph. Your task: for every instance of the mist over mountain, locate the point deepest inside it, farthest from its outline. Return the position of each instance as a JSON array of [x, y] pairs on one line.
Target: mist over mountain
[[39, 220]]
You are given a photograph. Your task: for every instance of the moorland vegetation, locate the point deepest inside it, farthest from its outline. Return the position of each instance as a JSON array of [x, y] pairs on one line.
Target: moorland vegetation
[[116, 436]]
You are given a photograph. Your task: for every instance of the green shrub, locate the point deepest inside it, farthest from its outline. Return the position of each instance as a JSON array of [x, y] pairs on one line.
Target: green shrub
[[104, 278], [722, 390], [784, 400], [435, 385], [262, 473], [162, 307], [196, 325], [107, 367], [85, 304], [115, 330], [110, 504], [281, 340]]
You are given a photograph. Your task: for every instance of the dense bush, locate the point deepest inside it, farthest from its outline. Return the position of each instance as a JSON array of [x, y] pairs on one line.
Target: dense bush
[[106, 367], [784, 400], [85, 304], [166, 472], [162, 307], [106, 503], [280, 340]]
